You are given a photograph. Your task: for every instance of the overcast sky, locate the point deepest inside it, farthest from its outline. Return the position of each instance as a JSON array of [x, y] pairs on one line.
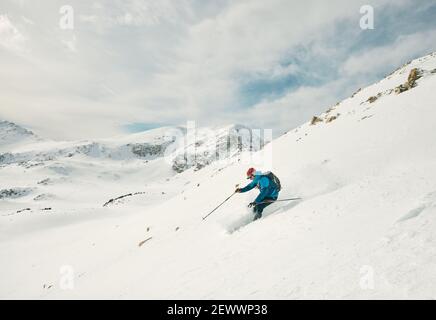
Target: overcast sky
[[134, 64]]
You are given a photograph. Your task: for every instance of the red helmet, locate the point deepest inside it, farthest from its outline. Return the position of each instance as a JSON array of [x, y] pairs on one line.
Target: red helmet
[[250, 172]]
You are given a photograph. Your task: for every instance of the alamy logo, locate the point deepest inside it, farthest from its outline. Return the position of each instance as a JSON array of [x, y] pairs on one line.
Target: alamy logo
[[367, 20], [66, 281], [366, 281], [202, 146], [66, 22]]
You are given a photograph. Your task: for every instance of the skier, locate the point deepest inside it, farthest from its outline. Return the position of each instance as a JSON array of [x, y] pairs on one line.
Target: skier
[[269, 186]]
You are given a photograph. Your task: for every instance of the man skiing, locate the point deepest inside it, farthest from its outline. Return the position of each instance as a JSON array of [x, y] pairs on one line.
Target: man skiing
[[269, 186]]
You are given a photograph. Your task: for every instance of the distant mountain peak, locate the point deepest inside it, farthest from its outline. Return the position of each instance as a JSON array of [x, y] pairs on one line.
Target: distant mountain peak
[[11, 133]]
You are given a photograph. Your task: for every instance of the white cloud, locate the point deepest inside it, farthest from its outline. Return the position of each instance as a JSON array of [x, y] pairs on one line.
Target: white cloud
[[138, 13], [148, 13], [296, 107], [88, 18], [390, 56], [27, 20], [71, 43], [169, 61], [10, 37], [248, 39]]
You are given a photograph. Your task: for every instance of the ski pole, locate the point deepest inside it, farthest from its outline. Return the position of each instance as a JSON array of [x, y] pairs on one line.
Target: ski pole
[[219, 205], [271, 201]]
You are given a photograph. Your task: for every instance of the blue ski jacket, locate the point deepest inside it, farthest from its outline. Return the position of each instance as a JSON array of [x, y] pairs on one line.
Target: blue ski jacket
[[268, 188]]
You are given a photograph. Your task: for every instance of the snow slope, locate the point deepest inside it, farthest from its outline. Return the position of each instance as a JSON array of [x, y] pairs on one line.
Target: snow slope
[[364, 229]]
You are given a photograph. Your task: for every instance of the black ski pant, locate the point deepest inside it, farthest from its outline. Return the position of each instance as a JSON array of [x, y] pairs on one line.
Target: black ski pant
[[258, 209]]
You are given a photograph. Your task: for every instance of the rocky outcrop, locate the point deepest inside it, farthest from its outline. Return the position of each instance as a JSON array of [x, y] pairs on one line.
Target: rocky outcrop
[[145, 150], [6, 158], [414, 75], [331, 118], [180, 163], [13, 193], [354, 94], [315, 120], [44, 197], [372, 99], [114, 200], [327, 117]]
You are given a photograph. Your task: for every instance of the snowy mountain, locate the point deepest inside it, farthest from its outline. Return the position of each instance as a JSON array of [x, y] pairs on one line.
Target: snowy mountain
[[12, 135], [218, 143], [210, 144], [365, 170], [46, 170], [146, 145]]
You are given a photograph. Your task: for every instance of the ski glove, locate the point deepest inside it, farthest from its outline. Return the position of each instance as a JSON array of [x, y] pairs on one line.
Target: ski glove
[[238, 190], [251, 204]]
